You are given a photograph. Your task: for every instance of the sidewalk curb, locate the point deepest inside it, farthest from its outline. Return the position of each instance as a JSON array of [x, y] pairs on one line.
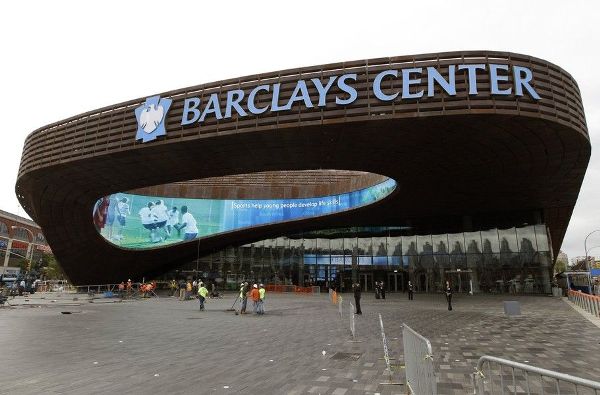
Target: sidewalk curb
[[585, 314]]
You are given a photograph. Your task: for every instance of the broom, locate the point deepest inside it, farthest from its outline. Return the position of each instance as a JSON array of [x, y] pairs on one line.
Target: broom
[[234, 302]]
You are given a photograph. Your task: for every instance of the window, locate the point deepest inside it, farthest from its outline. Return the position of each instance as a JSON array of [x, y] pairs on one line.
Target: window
[[542, 238], [3, 229], [424, 246], [40, 239], [490, 241], [21, 234], [473, 242]]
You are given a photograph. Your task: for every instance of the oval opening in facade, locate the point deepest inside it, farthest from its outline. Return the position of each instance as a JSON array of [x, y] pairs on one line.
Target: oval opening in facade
[[151, 218]]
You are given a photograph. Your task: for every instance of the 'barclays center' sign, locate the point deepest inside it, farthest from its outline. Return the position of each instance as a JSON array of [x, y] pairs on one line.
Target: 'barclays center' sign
[[414, 83]]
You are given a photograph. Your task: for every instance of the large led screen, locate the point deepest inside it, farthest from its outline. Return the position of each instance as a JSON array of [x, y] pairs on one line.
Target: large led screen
[[137, 221]]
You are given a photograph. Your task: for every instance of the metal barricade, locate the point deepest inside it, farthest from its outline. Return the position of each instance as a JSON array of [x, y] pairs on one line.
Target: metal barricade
[[418, 361], [352, 323], [511, 377], [589, 303], [386, 356]]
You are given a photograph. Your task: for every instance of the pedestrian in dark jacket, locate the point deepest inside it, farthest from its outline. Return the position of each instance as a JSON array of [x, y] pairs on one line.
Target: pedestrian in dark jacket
[[410, 290], [356, 290], [449, 295]]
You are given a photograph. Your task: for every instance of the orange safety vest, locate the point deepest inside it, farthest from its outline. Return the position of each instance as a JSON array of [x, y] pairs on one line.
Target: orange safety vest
[[254, 294]]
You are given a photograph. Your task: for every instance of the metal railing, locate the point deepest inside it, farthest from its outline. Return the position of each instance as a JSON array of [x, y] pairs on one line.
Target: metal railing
[[514, 377], [96, 288], [352, 321], [418, 360], [386, 356], [589, 303]]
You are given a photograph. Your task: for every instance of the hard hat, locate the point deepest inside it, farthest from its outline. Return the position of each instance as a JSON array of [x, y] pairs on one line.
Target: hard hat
[[255, 286]]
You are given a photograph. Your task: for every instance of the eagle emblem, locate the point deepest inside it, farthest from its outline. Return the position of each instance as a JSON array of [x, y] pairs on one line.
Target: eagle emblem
[[151, 118]]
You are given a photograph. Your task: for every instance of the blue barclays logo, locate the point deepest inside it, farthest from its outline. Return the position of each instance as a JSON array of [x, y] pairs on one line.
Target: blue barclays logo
[[151, 118]]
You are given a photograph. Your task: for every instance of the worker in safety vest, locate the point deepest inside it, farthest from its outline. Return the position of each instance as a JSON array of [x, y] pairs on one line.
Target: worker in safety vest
[[255, 295], [261, 302], [243, 297], [202, 293], [173, 287]]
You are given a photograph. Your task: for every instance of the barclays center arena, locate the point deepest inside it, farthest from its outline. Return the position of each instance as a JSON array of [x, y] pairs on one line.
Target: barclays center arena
[[458, 166]]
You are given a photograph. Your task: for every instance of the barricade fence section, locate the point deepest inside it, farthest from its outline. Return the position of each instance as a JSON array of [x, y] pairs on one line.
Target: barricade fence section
[[589, 303], [501, 376], [386, 355], [352, 322], [97, 288], [135, 290], [292, 289], [418, 361], [54, 286]]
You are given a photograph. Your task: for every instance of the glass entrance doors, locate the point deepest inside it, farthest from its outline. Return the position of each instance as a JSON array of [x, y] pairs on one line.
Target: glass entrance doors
[[395, 282], [366, 281], [460, 280]]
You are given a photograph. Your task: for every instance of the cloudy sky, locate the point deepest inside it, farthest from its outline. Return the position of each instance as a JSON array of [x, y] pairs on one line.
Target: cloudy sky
[[63, 58]]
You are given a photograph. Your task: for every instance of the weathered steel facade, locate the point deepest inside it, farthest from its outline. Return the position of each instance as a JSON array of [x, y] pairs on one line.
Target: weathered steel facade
[[460, 161]]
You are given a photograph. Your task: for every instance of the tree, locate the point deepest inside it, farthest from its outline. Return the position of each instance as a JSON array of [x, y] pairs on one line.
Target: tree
[[52, 268], [23, 263], [560, 266]]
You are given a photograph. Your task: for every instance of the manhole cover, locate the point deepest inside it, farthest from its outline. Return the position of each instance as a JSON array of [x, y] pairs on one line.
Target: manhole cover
[[346, 356]]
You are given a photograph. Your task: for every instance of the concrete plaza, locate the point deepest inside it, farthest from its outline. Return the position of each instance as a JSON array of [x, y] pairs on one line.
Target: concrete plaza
[[164, 346]]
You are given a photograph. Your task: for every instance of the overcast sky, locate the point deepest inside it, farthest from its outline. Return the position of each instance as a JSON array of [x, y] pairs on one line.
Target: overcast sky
[[60, 58]]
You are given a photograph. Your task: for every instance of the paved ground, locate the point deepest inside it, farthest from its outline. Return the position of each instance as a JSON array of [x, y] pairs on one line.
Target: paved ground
[[166, 346]]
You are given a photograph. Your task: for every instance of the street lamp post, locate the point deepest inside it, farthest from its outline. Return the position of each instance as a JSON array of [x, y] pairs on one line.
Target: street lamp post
[[587, 263]]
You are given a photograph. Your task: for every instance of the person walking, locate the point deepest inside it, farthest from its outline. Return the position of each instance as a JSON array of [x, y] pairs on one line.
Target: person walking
[[382, 289], [202, 293], [410, 290], [261, 303], [377, 290], [255, 296], [356, 290], [243, 297], [449, 295]]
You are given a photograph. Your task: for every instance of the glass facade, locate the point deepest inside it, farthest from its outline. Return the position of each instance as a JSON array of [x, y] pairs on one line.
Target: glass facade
[[514, 260]]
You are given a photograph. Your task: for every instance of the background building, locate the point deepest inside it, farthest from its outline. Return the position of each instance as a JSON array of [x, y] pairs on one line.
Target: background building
[[21, 242]]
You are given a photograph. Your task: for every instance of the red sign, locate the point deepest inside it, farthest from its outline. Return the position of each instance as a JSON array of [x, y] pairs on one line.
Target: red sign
[[19, 245]]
